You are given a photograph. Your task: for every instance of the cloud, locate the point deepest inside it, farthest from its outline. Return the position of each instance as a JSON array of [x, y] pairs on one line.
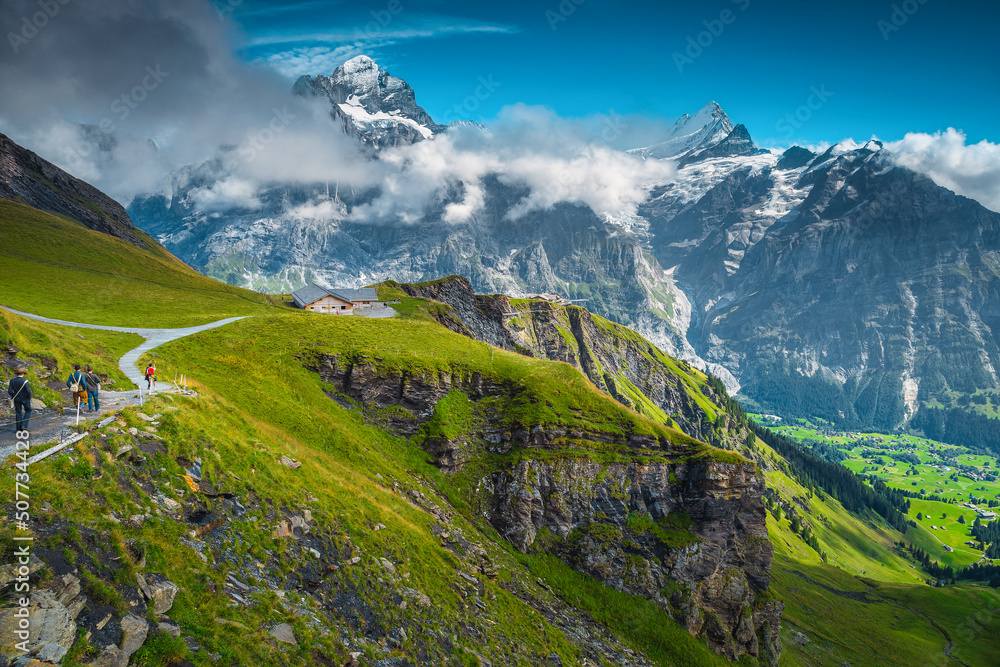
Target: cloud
[[557, 160], [293, 51], [149, 97], [946, 157]]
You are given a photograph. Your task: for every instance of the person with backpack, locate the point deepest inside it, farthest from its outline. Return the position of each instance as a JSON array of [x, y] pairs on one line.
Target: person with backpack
[[93, 387], [151, 376], [20, 395], [77, 383]]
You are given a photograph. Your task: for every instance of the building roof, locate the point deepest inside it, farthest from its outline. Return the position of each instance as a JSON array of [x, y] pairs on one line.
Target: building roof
[[355, 295], [313, 292]]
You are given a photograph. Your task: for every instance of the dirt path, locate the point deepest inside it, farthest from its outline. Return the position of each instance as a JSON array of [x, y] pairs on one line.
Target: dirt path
[[154, 338], [51, 426]]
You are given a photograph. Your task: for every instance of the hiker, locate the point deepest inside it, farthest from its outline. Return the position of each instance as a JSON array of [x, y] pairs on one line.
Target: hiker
[[151, 376], [77, 383], [20, 395], [93, 387]]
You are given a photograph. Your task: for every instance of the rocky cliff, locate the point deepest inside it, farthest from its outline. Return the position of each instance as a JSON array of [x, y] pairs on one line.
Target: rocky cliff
[[655, 515]]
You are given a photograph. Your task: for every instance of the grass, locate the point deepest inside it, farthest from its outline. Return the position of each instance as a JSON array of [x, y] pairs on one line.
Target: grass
[[859, 621], [58, 268]]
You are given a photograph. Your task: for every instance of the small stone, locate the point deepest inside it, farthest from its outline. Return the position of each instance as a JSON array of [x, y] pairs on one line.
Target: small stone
[[389, 567], [144, 417], [169, 628], [355, 560], [133, 431], [111, 657], [284, 633], [124, 449], [290, 463], [235, 624], [51, 652], [159, 589]]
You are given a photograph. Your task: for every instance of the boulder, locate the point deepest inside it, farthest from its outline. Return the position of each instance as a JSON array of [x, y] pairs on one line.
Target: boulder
[[168, 627], [37, 404], [134, 631], [290, 463], [158, 589], [51, 623]]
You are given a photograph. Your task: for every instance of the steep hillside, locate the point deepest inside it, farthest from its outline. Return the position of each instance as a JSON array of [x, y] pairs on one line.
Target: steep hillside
[[27, 178], [405, 534], [57, 268]]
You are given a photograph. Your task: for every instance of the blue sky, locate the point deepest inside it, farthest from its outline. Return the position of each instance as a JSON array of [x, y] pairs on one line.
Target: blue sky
[[790, 71]]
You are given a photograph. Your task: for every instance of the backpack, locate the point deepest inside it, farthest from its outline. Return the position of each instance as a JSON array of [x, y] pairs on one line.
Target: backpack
[[150, 372], [75, 386]]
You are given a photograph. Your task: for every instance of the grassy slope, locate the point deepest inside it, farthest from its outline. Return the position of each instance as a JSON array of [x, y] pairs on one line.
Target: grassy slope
[[868, 605], [254, 364], [58, 268], [263, 404]]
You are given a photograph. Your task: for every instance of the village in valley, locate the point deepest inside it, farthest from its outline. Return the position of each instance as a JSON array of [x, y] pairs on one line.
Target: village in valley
[[951, 489]]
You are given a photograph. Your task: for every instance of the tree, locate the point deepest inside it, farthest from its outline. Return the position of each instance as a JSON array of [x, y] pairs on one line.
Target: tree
[[920, 516], [961, 519]]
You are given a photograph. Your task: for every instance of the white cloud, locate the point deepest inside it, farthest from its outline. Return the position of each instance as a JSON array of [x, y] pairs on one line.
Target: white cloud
[[946, 157], [228, 193], [528, 146]]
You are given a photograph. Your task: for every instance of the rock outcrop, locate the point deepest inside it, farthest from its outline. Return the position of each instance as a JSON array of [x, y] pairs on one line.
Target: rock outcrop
[[691, 537], [617, 360], [687, 532]]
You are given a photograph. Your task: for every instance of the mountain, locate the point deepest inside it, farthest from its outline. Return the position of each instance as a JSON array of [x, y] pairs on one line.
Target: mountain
[[839, 285], [844, 286], [709, 126], [31, 180], [374, 106]]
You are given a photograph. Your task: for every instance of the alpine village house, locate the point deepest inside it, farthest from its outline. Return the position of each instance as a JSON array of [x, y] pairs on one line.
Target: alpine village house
[[334, 301]]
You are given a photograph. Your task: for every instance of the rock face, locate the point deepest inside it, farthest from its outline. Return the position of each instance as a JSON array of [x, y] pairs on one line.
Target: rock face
[[29, 179], [838, 285], [691, 537], [616, 360]]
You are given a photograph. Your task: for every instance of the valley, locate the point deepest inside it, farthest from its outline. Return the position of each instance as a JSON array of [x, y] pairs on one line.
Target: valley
[[950, 487]]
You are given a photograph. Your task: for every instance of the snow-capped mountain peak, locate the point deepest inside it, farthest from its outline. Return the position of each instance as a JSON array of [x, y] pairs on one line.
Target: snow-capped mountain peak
[[707, 127], [378, 108]]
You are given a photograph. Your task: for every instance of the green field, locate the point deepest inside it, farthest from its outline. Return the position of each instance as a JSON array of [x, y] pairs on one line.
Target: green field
[[952, 474]]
